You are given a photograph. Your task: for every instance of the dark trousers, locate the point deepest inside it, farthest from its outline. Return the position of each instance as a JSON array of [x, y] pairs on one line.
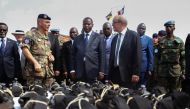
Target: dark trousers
[[5, 79], [115, 77], [59, 79]]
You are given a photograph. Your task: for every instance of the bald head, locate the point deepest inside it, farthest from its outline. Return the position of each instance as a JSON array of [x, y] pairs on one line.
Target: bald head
[[119, 23], [73, 32], [107, 24], [141, 29], [120, 19], [107, 29]]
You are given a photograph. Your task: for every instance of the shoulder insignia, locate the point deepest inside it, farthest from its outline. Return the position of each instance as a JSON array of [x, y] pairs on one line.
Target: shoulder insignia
[[26, 40]]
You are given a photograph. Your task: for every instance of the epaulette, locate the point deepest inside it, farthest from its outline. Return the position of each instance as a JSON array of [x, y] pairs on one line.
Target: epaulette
[[178, 40], [29, 33]]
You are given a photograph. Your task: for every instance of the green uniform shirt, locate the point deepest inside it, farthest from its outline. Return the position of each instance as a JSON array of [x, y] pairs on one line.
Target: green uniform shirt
[[39, 46], [171, 57]]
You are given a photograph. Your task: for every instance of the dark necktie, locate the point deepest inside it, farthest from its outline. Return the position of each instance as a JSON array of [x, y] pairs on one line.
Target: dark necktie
[[86, 39], [2, 46], [117, 50]]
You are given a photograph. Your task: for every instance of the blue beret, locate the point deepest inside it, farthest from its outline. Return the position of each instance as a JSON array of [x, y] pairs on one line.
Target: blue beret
[[44, 16], [171, 22], [54, 30]]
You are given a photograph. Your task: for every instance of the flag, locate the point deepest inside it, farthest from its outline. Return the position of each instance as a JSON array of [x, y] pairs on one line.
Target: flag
[[121, 12], [109, 16]]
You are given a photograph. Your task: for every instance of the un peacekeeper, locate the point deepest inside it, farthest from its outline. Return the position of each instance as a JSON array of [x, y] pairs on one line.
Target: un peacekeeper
[[36, 48], [171, 56]]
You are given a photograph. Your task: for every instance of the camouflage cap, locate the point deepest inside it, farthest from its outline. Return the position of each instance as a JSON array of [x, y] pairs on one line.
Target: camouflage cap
[[44, 16], [171, 22]]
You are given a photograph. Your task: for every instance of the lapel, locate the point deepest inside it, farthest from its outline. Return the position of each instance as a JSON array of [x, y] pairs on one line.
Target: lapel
[[124, 43], [114, 41], [82, 39], [92, 37], [7, 45]]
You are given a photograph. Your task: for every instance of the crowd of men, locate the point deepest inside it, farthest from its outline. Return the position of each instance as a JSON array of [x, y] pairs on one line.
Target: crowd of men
[[132, 60]]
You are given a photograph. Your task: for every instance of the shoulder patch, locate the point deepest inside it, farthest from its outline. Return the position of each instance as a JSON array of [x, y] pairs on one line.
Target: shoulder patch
[[26, 40]]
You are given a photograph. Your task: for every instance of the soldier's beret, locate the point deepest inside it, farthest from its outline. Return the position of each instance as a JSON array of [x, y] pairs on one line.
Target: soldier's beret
[[54, 30], [168, 23], [44, 16]]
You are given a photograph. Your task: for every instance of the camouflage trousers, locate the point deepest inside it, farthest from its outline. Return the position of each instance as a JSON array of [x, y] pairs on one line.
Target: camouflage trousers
[[170, 83], [45, 82]]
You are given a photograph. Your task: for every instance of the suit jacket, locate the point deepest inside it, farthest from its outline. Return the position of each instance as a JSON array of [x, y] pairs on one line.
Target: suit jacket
[[10, 60], [129, 56], [187, 57], [90, 59], [107, 51], [66, 52], [55, 51], [147, 53]]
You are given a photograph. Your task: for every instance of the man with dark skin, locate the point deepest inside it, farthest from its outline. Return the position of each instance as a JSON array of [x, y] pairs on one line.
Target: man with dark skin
[[171, 57], [66, 52], [73, 32], [107, 33], [10, 66], [88, 54], [147, 56]]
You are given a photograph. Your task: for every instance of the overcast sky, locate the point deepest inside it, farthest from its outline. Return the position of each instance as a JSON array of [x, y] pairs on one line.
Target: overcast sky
[[22, 14]]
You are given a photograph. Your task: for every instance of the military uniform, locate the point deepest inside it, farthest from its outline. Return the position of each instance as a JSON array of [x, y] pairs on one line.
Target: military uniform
[[171, 62], [39, 46]]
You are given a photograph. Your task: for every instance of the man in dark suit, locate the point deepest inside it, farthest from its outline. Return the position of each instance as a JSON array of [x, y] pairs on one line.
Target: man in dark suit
[[53, 38], [185, 83], [125, 54], [66, 52], [108, 36], [9, 57], [88, 54]]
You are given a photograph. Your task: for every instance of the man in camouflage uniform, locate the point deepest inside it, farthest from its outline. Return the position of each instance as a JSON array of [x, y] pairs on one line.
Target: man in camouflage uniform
[[171, 57], [36, 48]]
